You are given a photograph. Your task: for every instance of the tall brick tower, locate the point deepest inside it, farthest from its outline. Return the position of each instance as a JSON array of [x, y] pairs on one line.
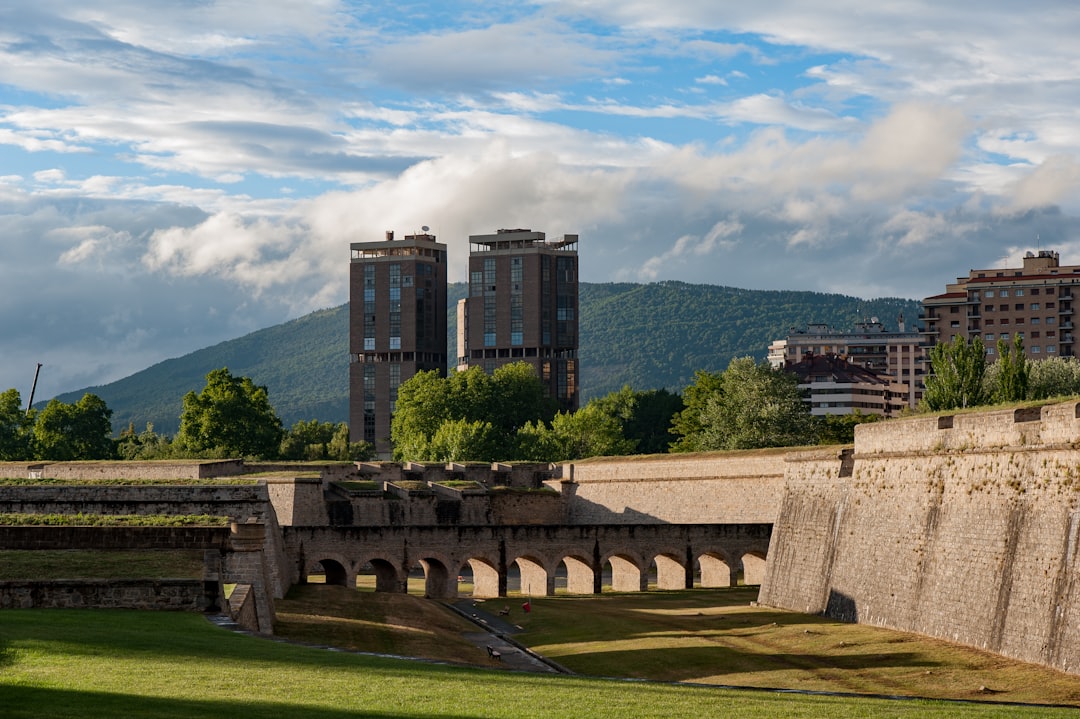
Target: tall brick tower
[[397, 326], [523, 306]]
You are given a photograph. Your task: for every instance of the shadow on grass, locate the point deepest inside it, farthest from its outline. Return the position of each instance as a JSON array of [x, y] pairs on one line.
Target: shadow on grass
[[692, 663], [21, 702], [100, 634]]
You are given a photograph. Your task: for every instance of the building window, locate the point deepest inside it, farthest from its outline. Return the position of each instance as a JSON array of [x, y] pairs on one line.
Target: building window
[[989, 336], [1034, 350], [1034, 334], [1018, 293], [476, 283], [988, 293], [1051, 348], [1005, 336], [1019, 308], [1035, 320], [489, 321], [489, 274], [954, 324], [1034, 306], [1051, 320], [1035, 291], [990, 350], [1004, 293]]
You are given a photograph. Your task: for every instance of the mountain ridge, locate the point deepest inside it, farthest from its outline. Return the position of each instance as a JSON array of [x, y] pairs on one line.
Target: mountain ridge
[[650, 336]]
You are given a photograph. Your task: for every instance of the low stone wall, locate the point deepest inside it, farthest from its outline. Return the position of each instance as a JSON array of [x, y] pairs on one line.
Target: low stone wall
[[186, 595], [237, 501], [720, 488], [158, 469]]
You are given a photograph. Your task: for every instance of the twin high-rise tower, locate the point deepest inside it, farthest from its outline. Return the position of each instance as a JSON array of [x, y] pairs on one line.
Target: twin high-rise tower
[[522, 305]]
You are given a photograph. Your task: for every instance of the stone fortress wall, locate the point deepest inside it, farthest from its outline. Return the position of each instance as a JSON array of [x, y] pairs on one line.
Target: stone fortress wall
[[962, 527]]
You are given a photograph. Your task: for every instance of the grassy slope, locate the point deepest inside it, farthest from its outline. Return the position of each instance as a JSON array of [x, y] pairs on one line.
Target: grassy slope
[[60, 664], [700, 636]]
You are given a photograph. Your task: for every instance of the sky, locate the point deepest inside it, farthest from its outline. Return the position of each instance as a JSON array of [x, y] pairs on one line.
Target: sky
[[178, 173]]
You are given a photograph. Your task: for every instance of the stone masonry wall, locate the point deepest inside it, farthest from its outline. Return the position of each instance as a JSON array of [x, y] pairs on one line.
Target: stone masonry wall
[[720, 488], [185, 595], [237, 501], [965, 528]]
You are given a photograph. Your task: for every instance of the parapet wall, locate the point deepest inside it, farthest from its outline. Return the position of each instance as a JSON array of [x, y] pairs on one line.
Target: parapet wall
[[716, 488], [964, 528], [156, 470]]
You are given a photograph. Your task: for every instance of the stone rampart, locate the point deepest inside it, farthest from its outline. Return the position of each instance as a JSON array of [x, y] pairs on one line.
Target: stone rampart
[[237, 501], [157, 469], [964, 527], [720, 488]]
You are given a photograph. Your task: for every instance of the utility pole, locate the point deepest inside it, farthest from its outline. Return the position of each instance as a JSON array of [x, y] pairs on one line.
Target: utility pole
[[33, 388]]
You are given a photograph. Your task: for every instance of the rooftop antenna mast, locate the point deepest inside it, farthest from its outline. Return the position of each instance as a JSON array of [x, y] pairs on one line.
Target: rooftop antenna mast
[[33, 388]]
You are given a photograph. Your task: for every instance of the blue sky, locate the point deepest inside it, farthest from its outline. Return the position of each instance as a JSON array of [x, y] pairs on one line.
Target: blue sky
[[174, 174]]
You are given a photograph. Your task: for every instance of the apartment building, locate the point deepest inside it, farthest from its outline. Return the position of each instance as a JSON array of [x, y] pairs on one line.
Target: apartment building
[[869, 345], [1034, 302], [835, 385], [397, 326], [523, 306]]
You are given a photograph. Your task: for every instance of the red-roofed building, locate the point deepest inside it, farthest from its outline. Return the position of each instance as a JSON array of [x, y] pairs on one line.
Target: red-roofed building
[[1034, 302]]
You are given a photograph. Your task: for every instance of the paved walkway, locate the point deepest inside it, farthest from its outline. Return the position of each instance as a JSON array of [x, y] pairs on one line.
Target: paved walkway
[[497, 633]]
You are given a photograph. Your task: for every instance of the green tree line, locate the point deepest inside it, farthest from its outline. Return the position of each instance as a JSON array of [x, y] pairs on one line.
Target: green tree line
[[961, 377], [230, 417]]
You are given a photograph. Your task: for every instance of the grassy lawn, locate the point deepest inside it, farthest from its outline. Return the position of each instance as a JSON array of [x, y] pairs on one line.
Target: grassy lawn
[[99, 564], [717, 637], [699, 636], [80, 663]]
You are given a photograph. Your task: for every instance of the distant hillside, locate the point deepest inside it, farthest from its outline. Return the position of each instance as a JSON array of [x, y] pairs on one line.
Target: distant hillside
[[648, 336]]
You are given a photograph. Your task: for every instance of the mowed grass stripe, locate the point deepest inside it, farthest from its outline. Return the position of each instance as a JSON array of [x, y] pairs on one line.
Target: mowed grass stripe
[[78, 663]]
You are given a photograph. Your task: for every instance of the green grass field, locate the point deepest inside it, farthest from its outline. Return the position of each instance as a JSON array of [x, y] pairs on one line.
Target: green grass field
[[84, 663]]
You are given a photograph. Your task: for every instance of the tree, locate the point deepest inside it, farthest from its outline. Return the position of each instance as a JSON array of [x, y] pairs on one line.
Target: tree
[[589, 432], [1053, 377], [423, 404], [74, 431], [1012, 375], [314, 441], [840, 428], [508, 399], [16, 429], [147, 444], [645, 417], [956, 377], [758, 406], [459, 440], [687, 424], [231, 417]]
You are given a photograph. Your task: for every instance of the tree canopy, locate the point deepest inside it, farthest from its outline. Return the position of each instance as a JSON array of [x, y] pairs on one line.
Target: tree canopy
[[749, 405], [231, 417], [956, 378], [74, 431]]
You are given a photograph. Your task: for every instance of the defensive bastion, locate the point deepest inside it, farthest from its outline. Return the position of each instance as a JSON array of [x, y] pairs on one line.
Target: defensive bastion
[[962, 527]]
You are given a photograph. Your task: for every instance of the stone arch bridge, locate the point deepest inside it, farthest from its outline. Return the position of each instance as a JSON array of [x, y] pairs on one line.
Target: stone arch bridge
[[488, 553]]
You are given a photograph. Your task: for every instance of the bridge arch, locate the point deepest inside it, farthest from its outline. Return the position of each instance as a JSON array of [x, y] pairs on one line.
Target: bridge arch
[[334, 568], [536, 580], [671, 570], [580, 577], [439, 583], [628, 572], [387, 576], [715, 569], [753, 566], [485, 577]]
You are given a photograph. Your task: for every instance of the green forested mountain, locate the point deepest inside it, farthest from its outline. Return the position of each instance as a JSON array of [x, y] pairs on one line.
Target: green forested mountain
[[648, 336]]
